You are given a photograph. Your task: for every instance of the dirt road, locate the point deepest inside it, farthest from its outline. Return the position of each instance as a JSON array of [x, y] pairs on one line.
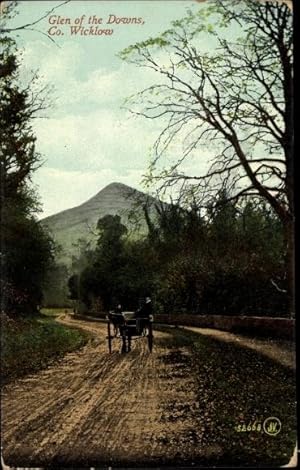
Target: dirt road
[[165, 408], [94, 408]]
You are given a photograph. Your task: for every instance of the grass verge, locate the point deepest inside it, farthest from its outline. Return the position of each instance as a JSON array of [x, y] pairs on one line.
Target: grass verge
[[31, 343], [237, 390]]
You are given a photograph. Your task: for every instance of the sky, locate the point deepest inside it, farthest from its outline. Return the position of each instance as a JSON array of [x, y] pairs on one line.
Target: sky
[[87, 138]]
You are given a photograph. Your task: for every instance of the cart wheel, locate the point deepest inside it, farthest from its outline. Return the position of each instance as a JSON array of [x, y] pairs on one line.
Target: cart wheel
[[109, 337], [150, 338]]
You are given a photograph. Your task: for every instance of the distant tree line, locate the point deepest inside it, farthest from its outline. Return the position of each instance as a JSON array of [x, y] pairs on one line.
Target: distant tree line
[[229, 260]]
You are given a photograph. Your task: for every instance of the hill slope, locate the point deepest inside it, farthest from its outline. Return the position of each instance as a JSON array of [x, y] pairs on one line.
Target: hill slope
[[68, 226]]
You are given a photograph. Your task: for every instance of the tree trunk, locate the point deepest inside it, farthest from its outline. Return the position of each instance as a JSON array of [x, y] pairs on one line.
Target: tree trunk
[[290, 265]]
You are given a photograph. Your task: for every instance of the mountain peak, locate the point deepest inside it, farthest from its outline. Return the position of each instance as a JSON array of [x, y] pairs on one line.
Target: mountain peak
[[114, 190], [117, 186], [79, 222]]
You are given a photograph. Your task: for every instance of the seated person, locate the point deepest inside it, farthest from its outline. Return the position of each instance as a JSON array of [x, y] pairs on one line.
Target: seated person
[[117, 318], [118, 309], [144, 313], [146, 309]]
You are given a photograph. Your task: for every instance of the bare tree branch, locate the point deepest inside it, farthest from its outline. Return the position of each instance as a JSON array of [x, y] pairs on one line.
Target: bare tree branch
[[29, 26]]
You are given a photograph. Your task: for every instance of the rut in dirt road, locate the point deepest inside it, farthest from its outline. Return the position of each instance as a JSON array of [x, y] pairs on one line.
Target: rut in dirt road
[[95, 407]]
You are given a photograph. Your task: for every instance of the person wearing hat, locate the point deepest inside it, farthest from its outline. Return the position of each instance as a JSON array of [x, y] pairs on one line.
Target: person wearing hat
[[145, 310], [144, 313]]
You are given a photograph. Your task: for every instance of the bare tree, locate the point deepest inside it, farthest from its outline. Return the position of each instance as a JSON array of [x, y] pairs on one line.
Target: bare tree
[[7, 12], [235, 98]]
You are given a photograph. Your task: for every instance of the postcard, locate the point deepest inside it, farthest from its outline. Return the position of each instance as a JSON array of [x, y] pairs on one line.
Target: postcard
[[147, 234]]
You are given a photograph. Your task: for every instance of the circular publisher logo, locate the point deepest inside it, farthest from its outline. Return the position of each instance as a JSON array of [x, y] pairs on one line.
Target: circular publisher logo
[[272, 426]]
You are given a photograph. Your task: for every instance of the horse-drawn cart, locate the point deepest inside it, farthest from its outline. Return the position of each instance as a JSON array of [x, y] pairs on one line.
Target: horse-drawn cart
[[125, 327]]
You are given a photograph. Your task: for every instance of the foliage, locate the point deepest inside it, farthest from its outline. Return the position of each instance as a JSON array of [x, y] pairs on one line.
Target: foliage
[[228, 246], [55, 289], [27, 252], [228, 261], [31, 343], [100, 279], [26, 248], [233, 96], [229, 267], [73, 286]]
